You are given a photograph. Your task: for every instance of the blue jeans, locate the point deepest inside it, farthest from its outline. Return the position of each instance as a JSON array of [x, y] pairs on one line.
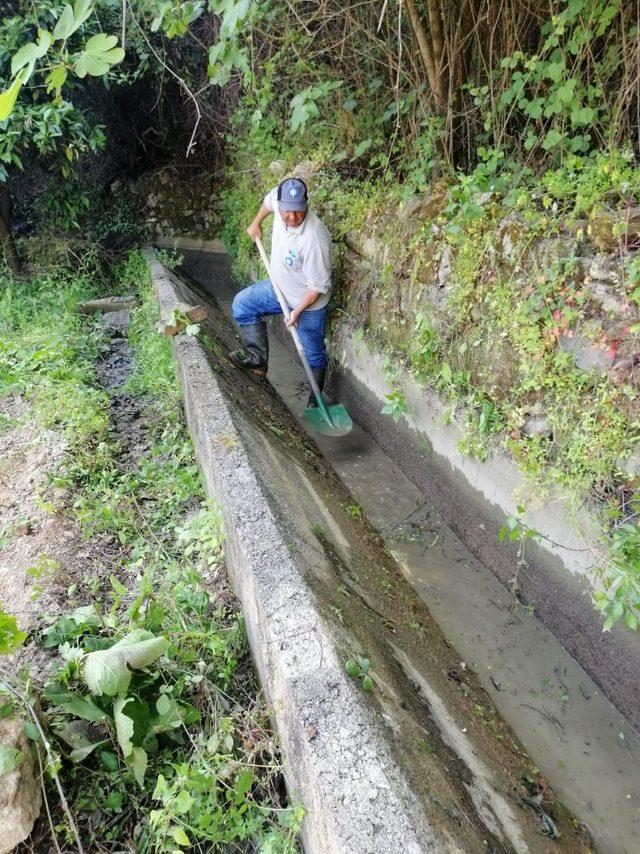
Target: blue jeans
[[251, 304]]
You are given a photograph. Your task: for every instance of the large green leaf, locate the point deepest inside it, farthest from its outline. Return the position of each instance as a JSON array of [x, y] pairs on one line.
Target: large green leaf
[[135, 757], [168, 717], [107, 671], [98, 56], [78, 736], [71, 19], [29, 54], [138, 764], [65, 24], [124, 725], [10, 635], [552, 139], [233, 13], [81, 707], [8, 98], [10, 759], [137, 710], [56, 78]]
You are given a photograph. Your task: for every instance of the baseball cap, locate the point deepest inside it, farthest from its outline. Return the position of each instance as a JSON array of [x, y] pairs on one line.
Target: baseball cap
[[292, 195]]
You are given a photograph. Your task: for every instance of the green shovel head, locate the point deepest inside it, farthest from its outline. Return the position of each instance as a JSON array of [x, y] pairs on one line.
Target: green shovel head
[[330, 420]]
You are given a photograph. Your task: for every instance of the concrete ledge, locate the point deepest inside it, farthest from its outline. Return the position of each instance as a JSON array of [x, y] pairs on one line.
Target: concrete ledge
[[337, 761], [180, 241]]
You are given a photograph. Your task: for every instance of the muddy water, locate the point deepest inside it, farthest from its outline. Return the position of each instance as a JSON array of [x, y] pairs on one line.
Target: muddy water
[[582, 745]]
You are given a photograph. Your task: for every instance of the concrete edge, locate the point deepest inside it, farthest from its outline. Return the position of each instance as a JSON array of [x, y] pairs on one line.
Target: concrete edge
[[337, 760], [178, 241]]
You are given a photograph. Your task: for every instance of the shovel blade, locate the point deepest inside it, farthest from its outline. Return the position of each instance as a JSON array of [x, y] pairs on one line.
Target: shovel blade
[[338, 423]]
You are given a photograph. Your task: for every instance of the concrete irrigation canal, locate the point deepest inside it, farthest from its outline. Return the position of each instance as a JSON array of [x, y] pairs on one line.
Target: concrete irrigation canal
[[482, 733]]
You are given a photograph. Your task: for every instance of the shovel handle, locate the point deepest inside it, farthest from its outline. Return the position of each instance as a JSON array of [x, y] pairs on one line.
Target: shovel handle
[[292, 329]]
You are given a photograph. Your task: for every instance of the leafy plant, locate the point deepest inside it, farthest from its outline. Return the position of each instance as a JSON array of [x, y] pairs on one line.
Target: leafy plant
[[619, 597], [11, 637], [153, 678], [304, 105], [358, 668], [10, 759], [95, 57], [396, 406]]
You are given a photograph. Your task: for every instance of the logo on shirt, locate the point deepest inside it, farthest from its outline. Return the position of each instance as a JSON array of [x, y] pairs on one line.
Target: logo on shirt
[[290, 259]]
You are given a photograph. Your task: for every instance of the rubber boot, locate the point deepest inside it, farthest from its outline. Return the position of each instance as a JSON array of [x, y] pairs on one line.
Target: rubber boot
[[254, 355], [319, 374]]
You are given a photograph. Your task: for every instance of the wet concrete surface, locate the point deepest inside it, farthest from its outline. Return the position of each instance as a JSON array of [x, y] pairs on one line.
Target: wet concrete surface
[[582, 745], [551, 578]]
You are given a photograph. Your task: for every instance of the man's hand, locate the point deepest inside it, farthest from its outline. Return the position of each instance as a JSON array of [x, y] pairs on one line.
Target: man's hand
[[308, 299], [255, 231], [293, 318]]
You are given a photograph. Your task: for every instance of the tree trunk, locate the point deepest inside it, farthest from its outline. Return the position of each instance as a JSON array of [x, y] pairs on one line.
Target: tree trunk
[[426, 54], [6, 240]]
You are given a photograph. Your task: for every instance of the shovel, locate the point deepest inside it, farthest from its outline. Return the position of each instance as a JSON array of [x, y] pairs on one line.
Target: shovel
[[329, 419]]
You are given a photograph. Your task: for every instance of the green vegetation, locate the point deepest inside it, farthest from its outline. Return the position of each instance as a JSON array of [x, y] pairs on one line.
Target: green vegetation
[[515, 133], [550, 177], [154, 727], [358, 669]]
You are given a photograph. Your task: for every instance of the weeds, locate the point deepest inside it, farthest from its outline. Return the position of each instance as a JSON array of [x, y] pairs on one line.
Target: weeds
[[358, 669], [155, 730], [396, 406]]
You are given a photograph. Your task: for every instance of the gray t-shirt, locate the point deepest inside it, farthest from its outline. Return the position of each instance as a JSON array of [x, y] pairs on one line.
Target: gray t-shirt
[[300, 257]]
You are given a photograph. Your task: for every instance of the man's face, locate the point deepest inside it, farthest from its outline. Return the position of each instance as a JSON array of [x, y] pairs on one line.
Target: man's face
[[292, 219]]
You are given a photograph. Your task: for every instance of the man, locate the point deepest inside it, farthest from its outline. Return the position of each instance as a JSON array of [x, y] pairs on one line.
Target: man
[[301, 266]]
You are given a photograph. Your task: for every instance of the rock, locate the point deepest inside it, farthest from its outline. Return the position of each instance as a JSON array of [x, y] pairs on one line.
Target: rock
[[625, 370], [307, 169], [609, 228], [116, 323], [610, 301], [444, 271], [108, 304], [509, 241], [20, 795], [537, 425], [367, 247], [436, 301], [605, 268], [547, 251], [412, 206], [277, 167], [605, 282], [630, 466], [589, 357], [492, 365]]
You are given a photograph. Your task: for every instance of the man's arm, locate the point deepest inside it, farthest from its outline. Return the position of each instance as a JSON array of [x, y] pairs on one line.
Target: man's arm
[[255, 229], [308, 298]]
